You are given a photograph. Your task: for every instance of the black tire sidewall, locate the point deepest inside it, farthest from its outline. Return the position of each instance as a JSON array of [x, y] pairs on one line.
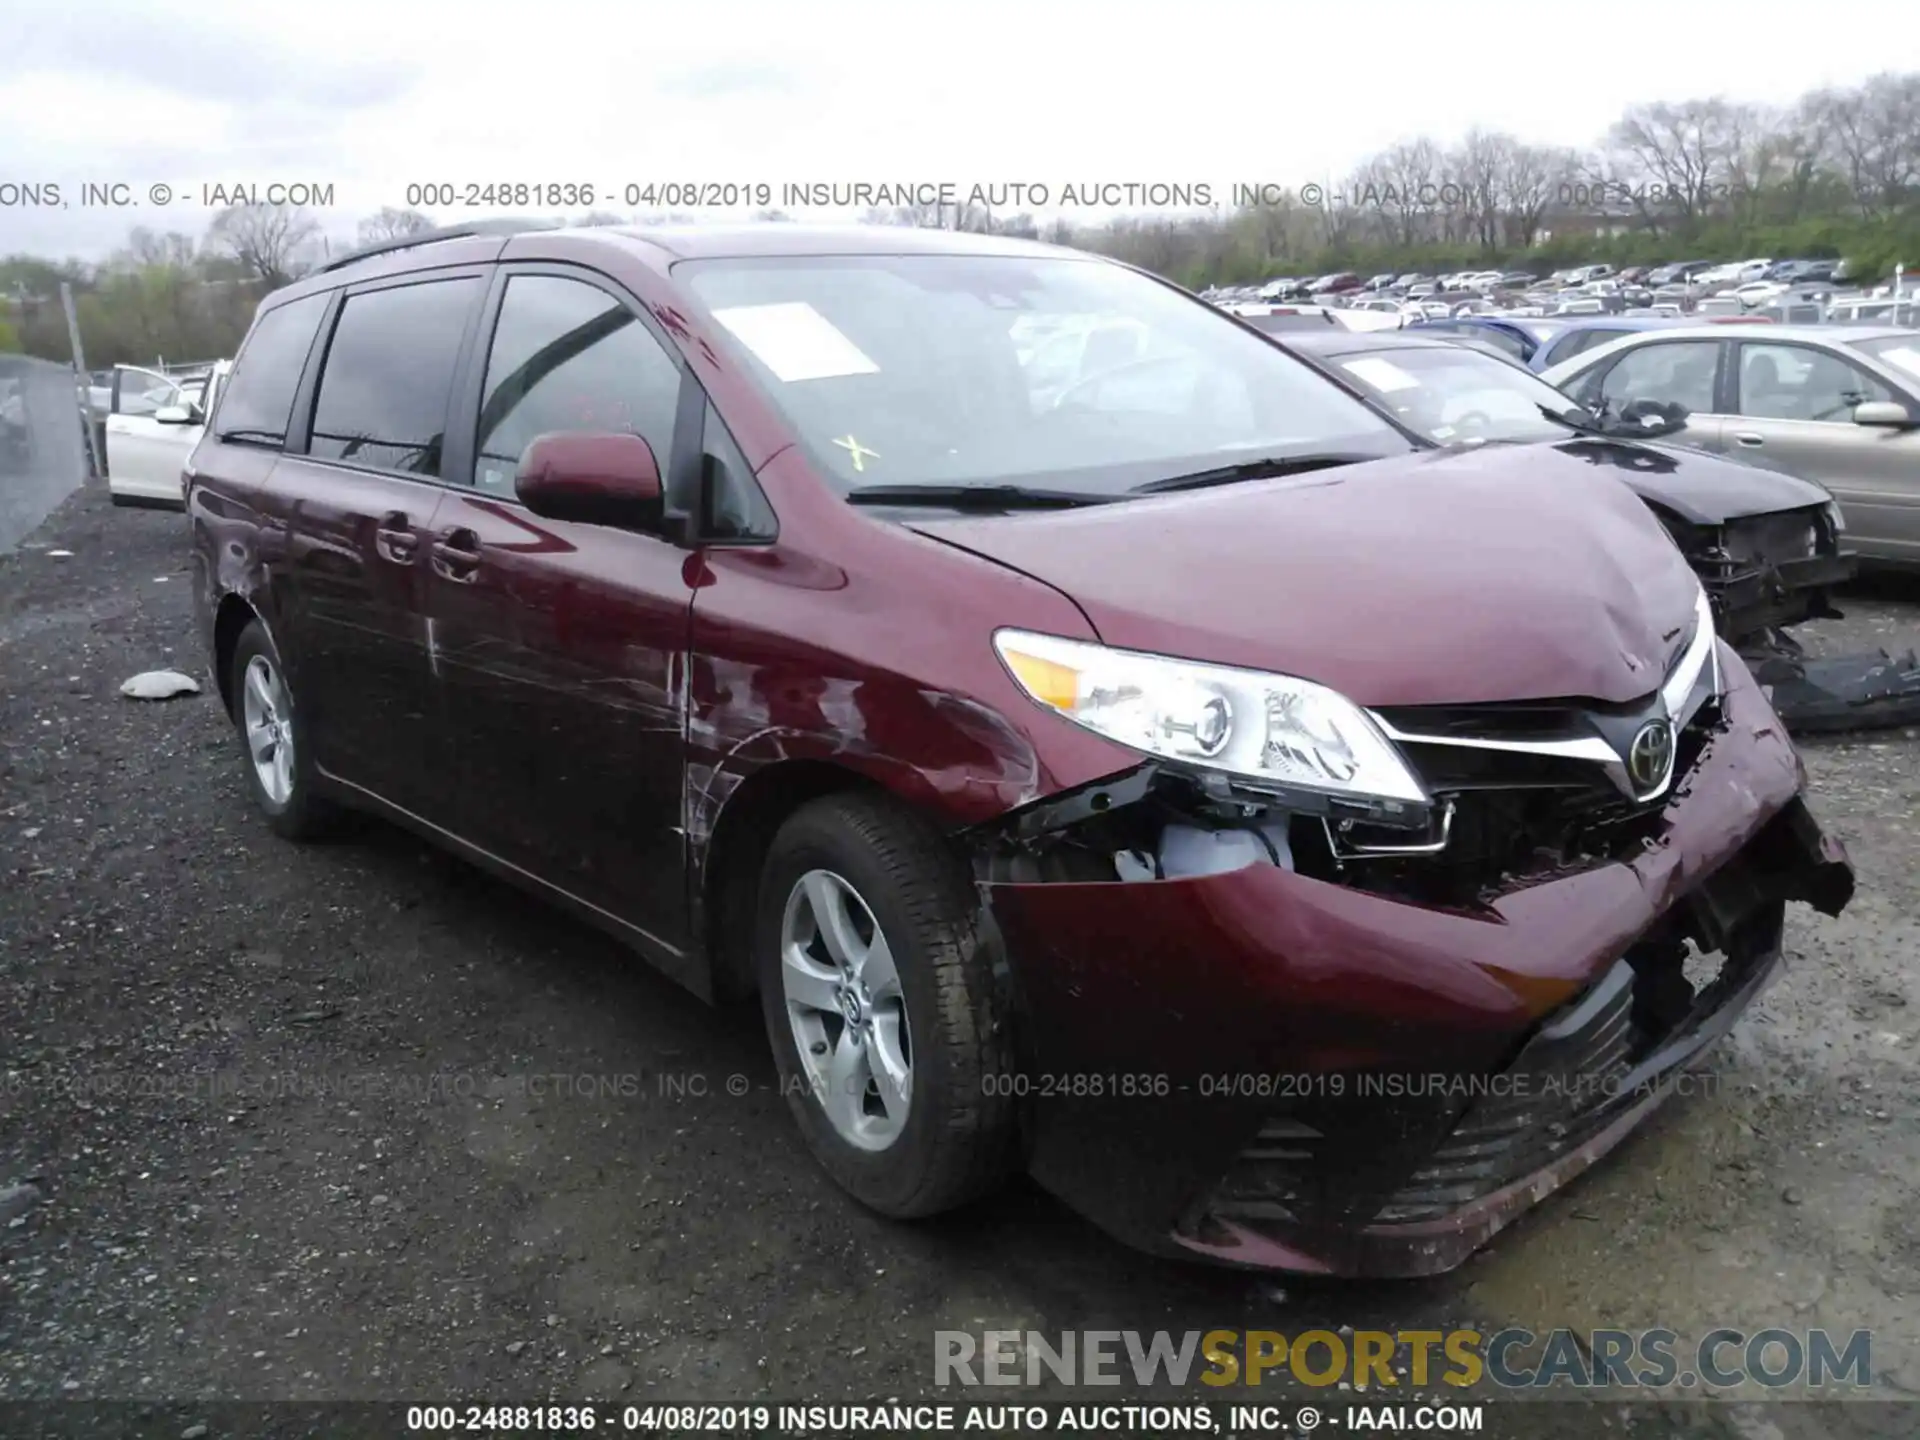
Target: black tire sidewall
[[888, 1180]]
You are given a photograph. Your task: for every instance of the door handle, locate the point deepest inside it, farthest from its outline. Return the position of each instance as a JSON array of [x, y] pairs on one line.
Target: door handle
[[1747, 437], [456, 555], [394, 537]]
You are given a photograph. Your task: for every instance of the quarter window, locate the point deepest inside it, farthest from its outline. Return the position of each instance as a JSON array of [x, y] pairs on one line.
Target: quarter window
[[389, 374], [567, 356], [257, 400]]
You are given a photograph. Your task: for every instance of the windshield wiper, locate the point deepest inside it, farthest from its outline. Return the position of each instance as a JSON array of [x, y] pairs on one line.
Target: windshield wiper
[[975, 497], [1250, 470]]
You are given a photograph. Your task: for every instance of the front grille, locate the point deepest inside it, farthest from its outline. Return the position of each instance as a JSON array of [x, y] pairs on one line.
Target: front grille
[[1520, 815]]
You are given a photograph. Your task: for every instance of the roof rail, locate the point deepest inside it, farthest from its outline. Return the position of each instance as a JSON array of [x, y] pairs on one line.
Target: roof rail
[[429, 237]]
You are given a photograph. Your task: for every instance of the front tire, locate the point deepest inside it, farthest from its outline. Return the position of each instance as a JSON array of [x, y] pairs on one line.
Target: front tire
[[272, 740], [888, 1028]]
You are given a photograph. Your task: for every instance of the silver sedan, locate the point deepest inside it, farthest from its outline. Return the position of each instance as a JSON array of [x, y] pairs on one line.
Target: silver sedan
[[1839, 404]]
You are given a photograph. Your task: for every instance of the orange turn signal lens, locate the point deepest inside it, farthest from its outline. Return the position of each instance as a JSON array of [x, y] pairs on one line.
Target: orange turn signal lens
[[1048, 681]]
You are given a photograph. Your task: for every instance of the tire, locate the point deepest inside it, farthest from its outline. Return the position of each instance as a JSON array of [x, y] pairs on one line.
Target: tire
[[955, 1136], [295, 811]]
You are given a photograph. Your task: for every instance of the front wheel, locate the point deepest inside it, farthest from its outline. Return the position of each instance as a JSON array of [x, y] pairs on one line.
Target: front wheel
[[887, 1025]]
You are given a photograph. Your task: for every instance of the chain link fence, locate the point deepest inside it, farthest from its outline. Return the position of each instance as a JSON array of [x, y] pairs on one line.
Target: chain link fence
[[43, 447]]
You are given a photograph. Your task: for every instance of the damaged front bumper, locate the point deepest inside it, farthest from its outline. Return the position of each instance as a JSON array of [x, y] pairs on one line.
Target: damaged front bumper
[[1768, 571], [1273, 1068], [1752, 600]]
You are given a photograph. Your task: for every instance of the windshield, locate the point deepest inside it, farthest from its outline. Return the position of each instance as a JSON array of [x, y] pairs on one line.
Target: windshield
[[1455, 395], [1902, 352], [978, 370]]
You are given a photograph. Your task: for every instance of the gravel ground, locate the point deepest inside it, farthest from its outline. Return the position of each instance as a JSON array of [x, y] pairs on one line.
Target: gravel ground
[[353, 1122]]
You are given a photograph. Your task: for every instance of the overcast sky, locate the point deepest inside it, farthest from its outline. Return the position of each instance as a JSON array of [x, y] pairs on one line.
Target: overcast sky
[[369, 97]]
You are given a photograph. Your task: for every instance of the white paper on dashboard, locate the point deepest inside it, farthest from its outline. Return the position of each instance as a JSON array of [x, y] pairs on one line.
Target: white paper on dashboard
[[1904, 356], [1382, 374], [795, 341]]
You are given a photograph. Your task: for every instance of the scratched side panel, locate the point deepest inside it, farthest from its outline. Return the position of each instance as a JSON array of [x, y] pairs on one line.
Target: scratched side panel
[[235, 536], [879, 660]]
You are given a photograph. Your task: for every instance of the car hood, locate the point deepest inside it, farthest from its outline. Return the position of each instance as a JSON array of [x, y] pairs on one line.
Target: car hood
[[1700, 488], [1434, 578]]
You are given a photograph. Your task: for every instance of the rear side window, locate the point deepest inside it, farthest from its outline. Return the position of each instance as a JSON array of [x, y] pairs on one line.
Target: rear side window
[[389, 374], [257, 399]]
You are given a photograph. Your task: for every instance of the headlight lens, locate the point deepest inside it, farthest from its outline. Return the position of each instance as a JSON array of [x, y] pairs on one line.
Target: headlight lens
[[1835, 520], [1272, 729]]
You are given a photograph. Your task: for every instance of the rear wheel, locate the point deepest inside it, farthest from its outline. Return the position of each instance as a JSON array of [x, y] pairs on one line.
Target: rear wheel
[[887, 1026], [272, 740]]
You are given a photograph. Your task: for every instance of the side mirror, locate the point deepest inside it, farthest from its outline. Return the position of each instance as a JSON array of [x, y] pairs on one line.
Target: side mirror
[[1883, 412], [176, 415], [594, 478]]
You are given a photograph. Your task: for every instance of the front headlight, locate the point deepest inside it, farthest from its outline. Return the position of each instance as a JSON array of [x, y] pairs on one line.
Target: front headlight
[[1274, 731], [1836, 522]]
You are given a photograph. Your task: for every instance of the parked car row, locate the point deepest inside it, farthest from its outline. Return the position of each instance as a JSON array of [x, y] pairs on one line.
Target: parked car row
[[1009, 669], [1791, 291]]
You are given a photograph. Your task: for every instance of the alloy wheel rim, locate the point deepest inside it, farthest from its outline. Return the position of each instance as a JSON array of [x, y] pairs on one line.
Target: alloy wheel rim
[[268, 717], [846, 1009]]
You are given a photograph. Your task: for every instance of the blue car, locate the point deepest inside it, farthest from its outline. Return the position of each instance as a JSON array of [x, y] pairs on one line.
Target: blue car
[[1538, 344]]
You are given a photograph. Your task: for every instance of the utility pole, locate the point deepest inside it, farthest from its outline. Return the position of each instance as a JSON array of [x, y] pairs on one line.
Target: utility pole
[[81, 380]]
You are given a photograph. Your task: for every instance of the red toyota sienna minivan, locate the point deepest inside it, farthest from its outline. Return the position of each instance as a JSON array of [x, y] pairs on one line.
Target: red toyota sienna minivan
[[1105, 744]]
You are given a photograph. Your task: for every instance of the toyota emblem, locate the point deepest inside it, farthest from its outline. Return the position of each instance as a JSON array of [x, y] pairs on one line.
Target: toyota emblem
[[1650, 756]]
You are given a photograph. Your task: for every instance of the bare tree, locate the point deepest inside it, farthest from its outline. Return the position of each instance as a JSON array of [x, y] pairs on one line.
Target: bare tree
[[1872, 137], [1533, 181], [392, 224], [1401, 186], [1676, 160], [269, 241], [1472, 176], [146, 247]]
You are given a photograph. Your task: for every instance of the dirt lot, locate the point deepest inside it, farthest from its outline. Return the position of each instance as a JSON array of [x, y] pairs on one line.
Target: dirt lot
[[352, 1121]]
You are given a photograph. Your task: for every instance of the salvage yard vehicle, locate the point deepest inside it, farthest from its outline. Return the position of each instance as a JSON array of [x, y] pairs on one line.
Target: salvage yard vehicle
[[1766, 545], [155, 423], [1837, 404], [1027, 754]]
